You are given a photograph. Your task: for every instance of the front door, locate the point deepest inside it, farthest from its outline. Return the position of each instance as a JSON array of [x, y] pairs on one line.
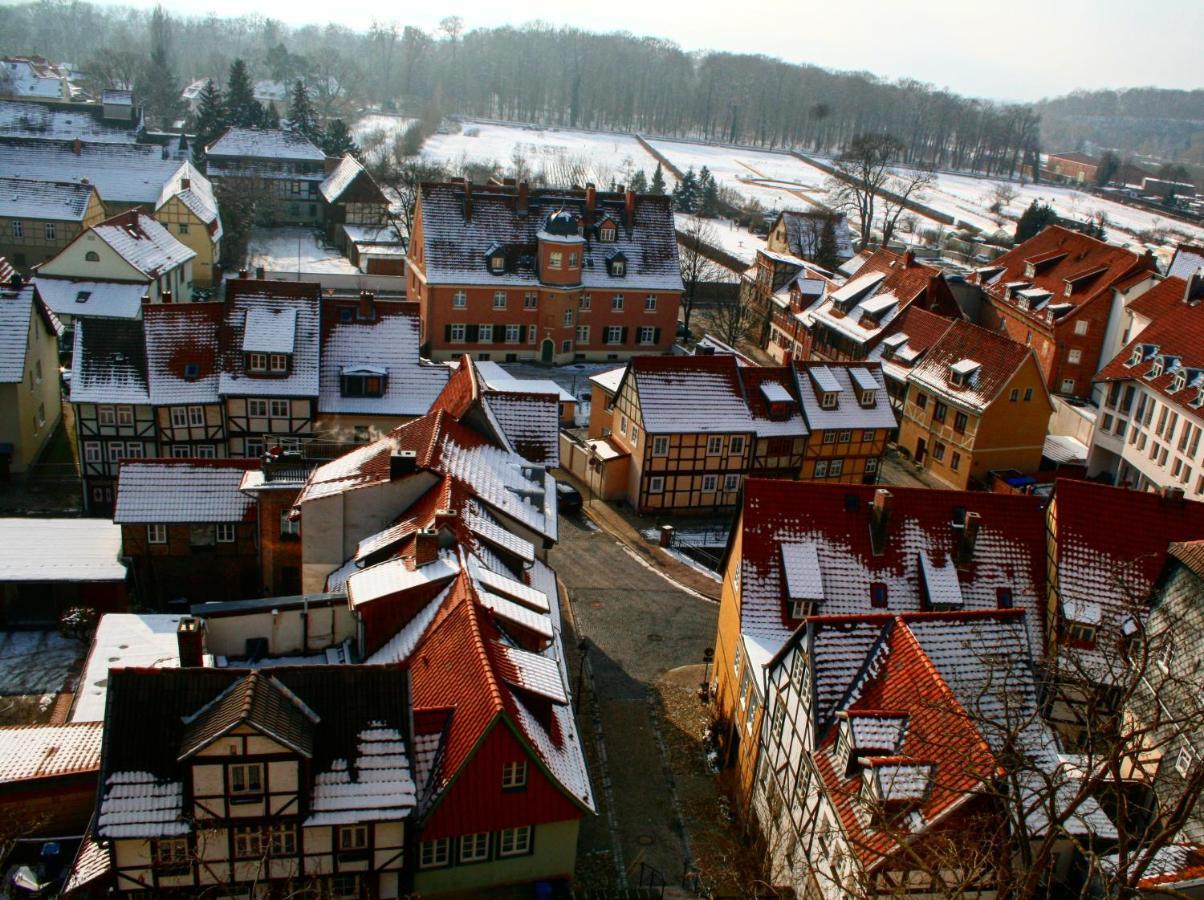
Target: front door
[[548, 351], [921, 449]]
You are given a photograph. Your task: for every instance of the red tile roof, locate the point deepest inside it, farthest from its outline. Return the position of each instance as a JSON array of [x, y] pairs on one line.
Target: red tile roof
[[907, 280], [921, 326], [1160, 299], [998, 356], [33, 752]]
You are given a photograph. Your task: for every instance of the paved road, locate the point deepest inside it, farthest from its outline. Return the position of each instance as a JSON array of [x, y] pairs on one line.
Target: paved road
[[638, 625]]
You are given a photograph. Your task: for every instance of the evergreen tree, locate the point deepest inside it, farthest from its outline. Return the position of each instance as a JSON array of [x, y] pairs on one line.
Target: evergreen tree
[[156, 84], [708, 194], [658, 181], [209, 121], [685, 195], [301, 116], [1034, 220], [242, 109], [639, 182], [271, 116], [826, 251], [336, 141]]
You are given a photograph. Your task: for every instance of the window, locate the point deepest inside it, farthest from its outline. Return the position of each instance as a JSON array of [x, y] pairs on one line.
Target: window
[[182, 228], [257, 408], [921, 401], [362, 385], [499, 300], [181, 451], [457, 333], [248, 842], [1080, 327], [737, 444], [656, 484], [105, 416], [585, 301], [1067, 386], [635, 435], [116, 451], [939, 412], [513, 334], [616, 303], [618, 268], [344, 887], [959, 422], [844, 437], [460, 299], [871, 465], [955, 461], [1184, 761], [125, 415], [878, 595], [582, 335], [554, 259], [133, 450], [647, 335], [225, 532], [731, 483], [156, 534], [606, 234], [50, 230], [736, 660], [709, 483], [835, 467], [821, 468], [572, 260], [253, 447], [829, 400], [282, 840], [279, 362], [279, 409], [568, 318], [205, 451], [530, 300], [18, 229], [514, 775], [485, 334], [246, 780], [829, 437], [1028, 394], [650, 303], [171, 852], [714, 445], [257, 362], [92, 451], [614, 334], [938, 451], [1081, 633], [289, 527], [353, 837], [1074, 357], [432, 854], [179, 417], [1015, 395], [474, 847], [514, 841], [196, 415]]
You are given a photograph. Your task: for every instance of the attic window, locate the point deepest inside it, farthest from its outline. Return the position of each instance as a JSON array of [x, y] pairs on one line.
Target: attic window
[[961, 373], [1135, 359], [82, 296], [362, 382], [192, 371], [617, 265], [92, 256], [800, 609], [1159, 364], [1030, 269], [829, 399], [878, 595], [1180, 381], [497, 264], [606, 234]]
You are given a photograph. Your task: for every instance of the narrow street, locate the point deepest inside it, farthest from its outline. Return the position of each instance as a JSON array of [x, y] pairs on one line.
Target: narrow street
[[638, 626]]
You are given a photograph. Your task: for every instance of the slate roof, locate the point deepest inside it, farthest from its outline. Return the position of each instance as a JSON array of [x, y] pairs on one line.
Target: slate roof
[[776, 382], [455, 249], [183, 490], [265, 301], [1009, 552], [121, 173], [16, 309], [52, 550], [198, 197], [686, 394], [177, 337], [999, 358], [34, 752], [1188, 260], [389, 341], [108, 364], [262, 144], [143, 243], [52, 201], [803, 230], [531, 423], [148, 723]]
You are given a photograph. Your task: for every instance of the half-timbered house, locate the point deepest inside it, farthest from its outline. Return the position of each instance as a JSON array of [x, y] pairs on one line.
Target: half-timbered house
[[182, 357]]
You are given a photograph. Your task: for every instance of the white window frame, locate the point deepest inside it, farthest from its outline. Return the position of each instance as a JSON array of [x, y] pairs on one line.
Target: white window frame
[[1067, 385], [514, 841], [50, 231], [156, 533], [715, 445], [181, 451], [660, 445], [513, 334], [434, 854], [459, 299], [1074, 357], [731, 483], [92, 451], [514, 775], [458, 332], [179, 417], [737, 444], [474, 847], [616, 303], [278, 362], [821, 468], [554, 259], [279, 409], [225, 532], [582, 335], [257, 362], [499, 299], [125, 415], [196, 416], [710, 484], [568, 318], [585, 301], [133, 450], [257, 408], [614, 334], [352, 838], [1080, 327], [650, 303], [106, 415], [485, 333], [647, 335], [531, 300], [835, 468], [656, 484]]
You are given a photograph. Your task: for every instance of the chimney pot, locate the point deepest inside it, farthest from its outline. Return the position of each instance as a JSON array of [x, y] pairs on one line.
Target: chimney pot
[[629, 207], [242, 273], [879, 519], [185, 183], [367, 307], [426, 547], [166, 297], [467, 199], [965, 548]]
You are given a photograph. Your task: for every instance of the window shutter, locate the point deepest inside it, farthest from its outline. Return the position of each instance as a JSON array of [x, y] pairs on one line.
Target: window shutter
[[447, 334], [471, 333], [623, 338], [522, 334], [656, 335]]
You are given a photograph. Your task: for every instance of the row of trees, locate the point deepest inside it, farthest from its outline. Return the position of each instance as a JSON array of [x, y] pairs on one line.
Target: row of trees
[[537, 73]]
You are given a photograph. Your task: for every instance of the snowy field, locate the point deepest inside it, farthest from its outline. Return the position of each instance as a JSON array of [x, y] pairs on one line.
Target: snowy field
[[295, 250], [728, 236], [35, 662], [380, 127]]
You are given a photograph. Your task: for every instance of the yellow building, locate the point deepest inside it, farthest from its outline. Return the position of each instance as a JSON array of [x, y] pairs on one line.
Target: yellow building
[[975, 403], [40, 218], [30, 397], [188, 210]]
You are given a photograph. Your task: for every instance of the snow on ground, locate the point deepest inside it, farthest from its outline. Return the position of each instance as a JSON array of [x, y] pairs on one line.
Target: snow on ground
[[583, 155], [372, 127], [295, 250], [573, 378], [35, 662], [728, 236]]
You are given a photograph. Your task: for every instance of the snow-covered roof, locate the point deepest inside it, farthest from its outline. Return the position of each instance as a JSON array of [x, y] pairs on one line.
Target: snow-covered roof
[[340, 179], [63, 122], [800, 564], [1062, 448], [182, 352], [941, 582], [263, 143], [396, 575], [377, 784], [776, 393], [16, 307], [121, 173], [269, 329], [183, 490], [124, 640], [609, 380], [498, 379], [984, 361], [84, 550], [270, 316], [24, 77], [849, 413], [34, 752], [108, 364], [52, 201], [143, 243], [530, 423], [690, 394], [197, 196], [76, 297]]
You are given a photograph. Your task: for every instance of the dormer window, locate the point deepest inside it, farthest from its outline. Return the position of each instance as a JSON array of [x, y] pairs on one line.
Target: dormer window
[[1082, 618], [961, 373], [617, 265], [1030, 269], [606, 234], [1135, 359], [363, 381], [192, 371], [257, 362], [829, 400], [1179, 382], [91, 256], [246, 782], [495, 259], [82, 296], [278, 363]]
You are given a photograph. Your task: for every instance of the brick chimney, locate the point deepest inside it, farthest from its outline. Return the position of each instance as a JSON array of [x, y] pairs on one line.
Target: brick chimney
[[467, 199], [367, 307], [77, 147], [909, 257], [965, 547], [426, 547], [402, 463], [242, 273], [445, 519], [523, 203], [166, 296], [629, 207], [880, 519], [190, 638], [591, 203]]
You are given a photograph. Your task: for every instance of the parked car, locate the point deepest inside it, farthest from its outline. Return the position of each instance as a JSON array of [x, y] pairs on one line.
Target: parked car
[[568, 498]]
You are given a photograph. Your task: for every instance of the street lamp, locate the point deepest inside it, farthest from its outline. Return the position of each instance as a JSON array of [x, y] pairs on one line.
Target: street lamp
[[704, 689], [582, 653]]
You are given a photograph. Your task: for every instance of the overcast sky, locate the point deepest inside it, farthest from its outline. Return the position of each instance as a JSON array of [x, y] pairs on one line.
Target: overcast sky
[[1016, 49]]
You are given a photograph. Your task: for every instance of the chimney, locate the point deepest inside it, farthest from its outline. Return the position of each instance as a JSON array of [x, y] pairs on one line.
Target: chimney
[[190, 638], [77, 147], [788, 359], [367, 307], [426, 547], [402, 463], [467, 199], [965, 547], [445, 519], [879, 519], [909, 257], [629, 207], [15, 281], [591, 203], [1172, 496], [522, 204], [166, 297], [185, 183], [242, 273], [1194, 291]]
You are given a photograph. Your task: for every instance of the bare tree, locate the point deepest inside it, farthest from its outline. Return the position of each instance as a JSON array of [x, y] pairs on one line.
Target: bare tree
[[696, 239], [401, 177], [903, 188], [1003, 195], [863, 170], [731, 317]]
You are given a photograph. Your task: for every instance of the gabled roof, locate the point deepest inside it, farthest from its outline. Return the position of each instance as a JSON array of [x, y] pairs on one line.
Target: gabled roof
[[52, 201], [143, 243], [766, 385], [997, 357], [804, 230], [279, 315], [16, 309], [342, 177], [122, 173], [687, 394], [258, 701], [197, 196], [35, 752], [455, 246], [263, 144], [813, 379], [1162, 298], [79, 297], [1188, 260], [905, 341], [183, 490], [108, 364], [1008, 553], [182, 352]]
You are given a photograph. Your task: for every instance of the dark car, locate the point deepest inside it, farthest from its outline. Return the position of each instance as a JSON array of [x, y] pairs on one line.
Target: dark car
[[568, 498]]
